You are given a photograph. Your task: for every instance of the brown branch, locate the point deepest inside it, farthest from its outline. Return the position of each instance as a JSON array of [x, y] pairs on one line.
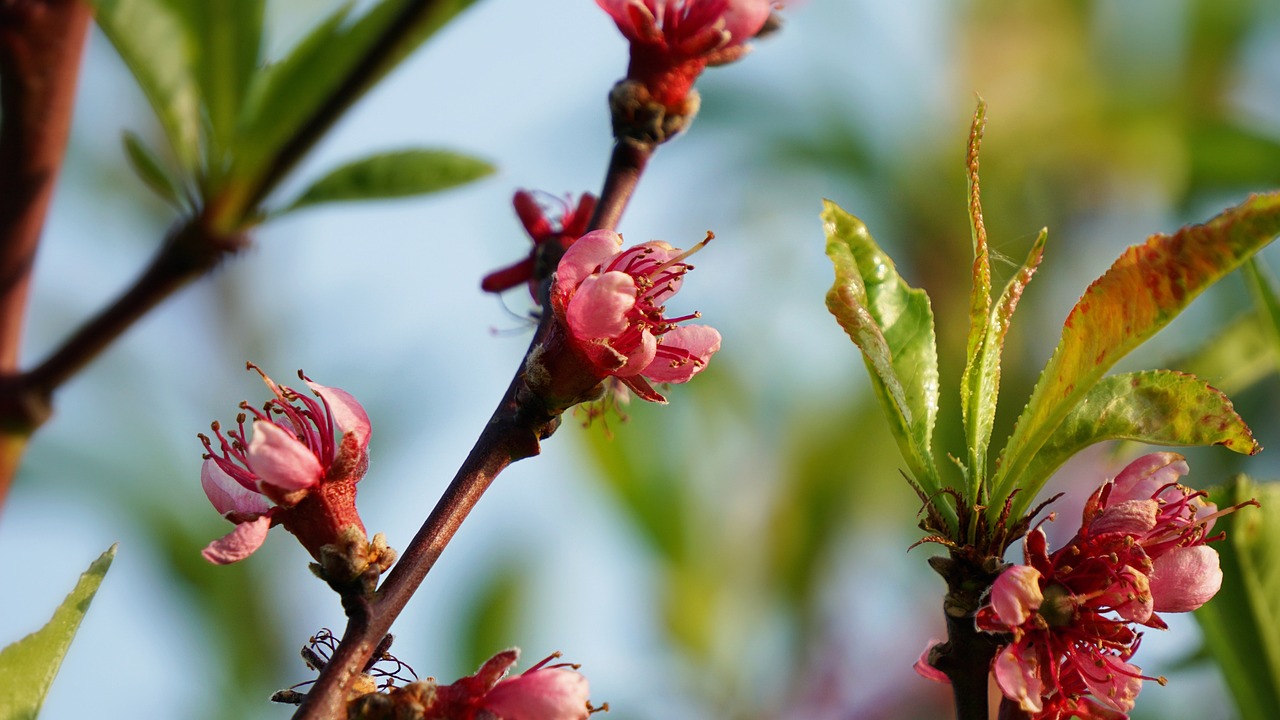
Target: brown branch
[[625, 167], [40, 47], [512, 433]]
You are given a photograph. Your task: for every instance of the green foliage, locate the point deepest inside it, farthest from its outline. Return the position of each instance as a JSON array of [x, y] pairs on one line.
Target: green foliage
[[1242, 623], [28, 666], [1145, 289], [1236, 357], [238, 127], [393, 174], [892, 324], [1158, 406], [150, 169]]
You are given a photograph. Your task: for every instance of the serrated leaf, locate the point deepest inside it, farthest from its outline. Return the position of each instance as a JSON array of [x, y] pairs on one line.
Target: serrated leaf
[[892, 324], [394, 174], [156, 46], [28, 666], [983, 382], [1161, 407], [1146, 288], [150, 170], [1241, 623]]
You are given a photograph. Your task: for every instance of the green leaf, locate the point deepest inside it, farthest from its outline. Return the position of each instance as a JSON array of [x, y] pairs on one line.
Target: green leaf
[[1236, 357], [334, 65], [1146, 288], [28, 666], [157, 47], [1161, 407], [892, 324], [149, 168], [394, 174], [1263, 288], [983, 381], [1241, 623], [228, 38]]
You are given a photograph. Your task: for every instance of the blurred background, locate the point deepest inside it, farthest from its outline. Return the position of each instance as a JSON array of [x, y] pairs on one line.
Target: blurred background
[[740, 553]]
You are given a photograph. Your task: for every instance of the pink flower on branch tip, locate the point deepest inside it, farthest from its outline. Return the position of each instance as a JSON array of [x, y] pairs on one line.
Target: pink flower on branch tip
[[550, 239], [610, 303], [1140, 550], [298, 470], [672, 41], [545, 691]]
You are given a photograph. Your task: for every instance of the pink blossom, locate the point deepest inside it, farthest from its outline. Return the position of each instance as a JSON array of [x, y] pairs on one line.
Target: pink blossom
[[672, 41], [543, 692], [299, 469], [612, 303], [550, 240], [1140, 551]]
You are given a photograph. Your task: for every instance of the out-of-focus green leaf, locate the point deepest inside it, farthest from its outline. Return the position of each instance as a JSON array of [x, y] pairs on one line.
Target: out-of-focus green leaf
[[1242, 622], [148, 167], [1263, 288], [158, 48], [1235, 358], [491, 619], [28, 666], [1227, 155], [228, 40], [892, 324], [1146, 288], [319, 70], [394, 174], [1161, 407]]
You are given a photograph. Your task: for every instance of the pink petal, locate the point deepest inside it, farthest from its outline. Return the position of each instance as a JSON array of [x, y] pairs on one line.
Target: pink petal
[[640, 357], [227, 495], [1143, 477], [1116, 684], [927, 671], [1016, 594], [495, 667], [278, 459], [699, 341], [1131, 517], [744, 18], [1019, 678], [599, 308], [239, 543], [584, 256], [348, 413], [547, 694], [1185, 578], [1133, 598]]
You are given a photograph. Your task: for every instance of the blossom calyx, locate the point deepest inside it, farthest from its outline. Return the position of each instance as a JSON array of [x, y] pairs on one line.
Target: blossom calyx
[[299, 470], [672, 41]]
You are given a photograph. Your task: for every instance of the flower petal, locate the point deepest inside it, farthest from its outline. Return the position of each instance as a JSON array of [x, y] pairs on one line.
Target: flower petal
[[278, 459], [744, 18], [348, 413], [1131, 517], [546, 694], [1115, 684], [239, 543], [227, 495], [1185, 578], [695, 344], [599, 308], [1016, 594], [927, 671], [1141, 478], [584, 256], [1019, 678]]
